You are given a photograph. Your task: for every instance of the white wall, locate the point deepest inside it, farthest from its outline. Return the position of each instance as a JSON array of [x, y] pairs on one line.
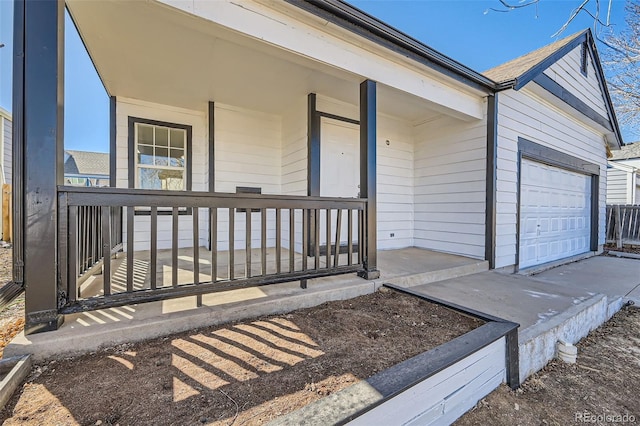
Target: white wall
[[523, 114], [7, 148], [450, 186], [395, 191], [126, 108], [618, 186]]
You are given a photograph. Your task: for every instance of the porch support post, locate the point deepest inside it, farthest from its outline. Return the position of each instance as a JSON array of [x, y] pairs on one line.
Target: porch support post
[[368, 137], [113, 143], [39, 98], [490, 200]]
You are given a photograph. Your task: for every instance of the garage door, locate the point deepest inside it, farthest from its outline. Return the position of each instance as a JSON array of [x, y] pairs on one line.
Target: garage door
[[555, 213]]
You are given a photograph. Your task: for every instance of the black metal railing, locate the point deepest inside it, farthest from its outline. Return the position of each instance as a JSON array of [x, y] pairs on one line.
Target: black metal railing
[[89, 230], [253, 239], [623, 224]]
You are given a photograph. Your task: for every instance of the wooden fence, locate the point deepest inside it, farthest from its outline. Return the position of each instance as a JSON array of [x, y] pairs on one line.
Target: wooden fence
[[623, 224], [7, 213]]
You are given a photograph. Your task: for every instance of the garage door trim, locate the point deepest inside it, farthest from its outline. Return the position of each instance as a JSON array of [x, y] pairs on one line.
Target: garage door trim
[[542, 154]]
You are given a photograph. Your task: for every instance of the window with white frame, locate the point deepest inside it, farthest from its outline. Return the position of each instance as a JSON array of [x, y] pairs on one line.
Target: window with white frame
[[161, 155]]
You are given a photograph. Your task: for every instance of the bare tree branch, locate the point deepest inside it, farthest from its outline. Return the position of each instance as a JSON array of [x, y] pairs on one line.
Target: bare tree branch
[[582, 8], [622, 63]]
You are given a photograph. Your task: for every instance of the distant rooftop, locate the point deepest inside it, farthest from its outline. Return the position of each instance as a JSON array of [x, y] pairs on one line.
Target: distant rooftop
[[86, 163], [627, 152]]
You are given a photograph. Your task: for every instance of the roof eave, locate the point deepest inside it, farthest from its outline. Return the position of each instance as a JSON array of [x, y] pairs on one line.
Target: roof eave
[[363, 24]]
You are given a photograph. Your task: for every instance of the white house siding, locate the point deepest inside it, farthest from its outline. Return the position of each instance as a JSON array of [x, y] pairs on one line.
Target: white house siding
[[247, 153], [617, 186], [566, 72], [294, 163], [450, 183], [522, 114], [7, 149], [126, 108], [395, 172]]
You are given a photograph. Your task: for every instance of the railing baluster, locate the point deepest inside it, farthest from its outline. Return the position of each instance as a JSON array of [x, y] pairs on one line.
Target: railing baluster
[[292, 243], [350, 237], [214, 243], [305, 237], [98, 244], [336, 255], [174, 246], [130, 240], [232, 237], [73, 271], [247, 240], [278, 241], [263, 241], [154, 248], [106, 250], [328, 236], [316, 239], [196, 247], [360, 237]]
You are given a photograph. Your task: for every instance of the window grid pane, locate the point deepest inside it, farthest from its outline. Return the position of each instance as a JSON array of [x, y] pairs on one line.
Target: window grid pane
[[161, 157]]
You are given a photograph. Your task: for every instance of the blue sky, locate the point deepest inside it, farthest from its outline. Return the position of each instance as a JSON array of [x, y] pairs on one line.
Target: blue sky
[[458, 28]]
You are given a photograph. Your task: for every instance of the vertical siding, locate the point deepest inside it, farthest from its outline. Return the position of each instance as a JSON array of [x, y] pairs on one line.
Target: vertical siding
[[450, 182], [198, 120], [7, 166], [566, 72], [525, 115]]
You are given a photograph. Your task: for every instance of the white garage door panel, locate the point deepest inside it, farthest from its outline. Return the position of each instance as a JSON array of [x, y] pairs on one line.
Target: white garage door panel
[[555, 213]]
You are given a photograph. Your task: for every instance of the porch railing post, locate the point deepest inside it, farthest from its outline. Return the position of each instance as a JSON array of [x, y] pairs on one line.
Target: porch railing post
[[368, 138], [38, 150]]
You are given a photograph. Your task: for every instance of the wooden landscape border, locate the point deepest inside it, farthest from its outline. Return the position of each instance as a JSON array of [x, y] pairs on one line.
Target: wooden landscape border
[[348, 404]]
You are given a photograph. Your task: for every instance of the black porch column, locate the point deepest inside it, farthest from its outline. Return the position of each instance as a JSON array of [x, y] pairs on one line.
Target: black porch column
[[368, 175], [38, 155]]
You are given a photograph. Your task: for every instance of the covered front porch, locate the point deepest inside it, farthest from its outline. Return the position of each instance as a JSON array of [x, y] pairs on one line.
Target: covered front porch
[[237, 161]]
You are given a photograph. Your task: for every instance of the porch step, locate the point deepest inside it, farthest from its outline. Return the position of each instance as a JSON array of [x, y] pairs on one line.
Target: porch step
[[439, 275]]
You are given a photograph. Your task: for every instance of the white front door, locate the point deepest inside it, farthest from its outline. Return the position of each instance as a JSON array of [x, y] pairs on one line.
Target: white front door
[[555, 213], [339, 170]]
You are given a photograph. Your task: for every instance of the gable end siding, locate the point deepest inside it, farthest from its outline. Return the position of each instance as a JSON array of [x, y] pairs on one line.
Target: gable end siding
[[566, 72]]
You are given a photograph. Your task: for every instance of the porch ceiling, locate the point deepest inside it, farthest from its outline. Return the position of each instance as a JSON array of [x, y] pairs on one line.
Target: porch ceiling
[[148, 51]]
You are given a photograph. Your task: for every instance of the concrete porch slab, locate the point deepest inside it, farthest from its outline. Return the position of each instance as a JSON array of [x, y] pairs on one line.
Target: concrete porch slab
[[89, 331]]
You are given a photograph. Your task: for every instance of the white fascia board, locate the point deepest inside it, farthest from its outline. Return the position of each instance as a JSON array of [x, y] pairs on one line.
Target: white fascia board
[[306, 35]]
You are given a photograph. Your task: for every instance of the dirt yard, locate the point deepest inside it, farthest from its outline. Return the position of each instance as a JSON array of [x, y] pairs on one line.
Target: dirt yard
[[242, 373], [11, 317], [604, 382], [213, 376]]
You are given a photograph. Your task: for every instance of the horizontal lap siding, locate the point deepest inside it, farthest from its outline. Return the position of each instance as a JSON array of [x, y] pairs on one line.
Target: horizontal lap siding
[[566, 72], [294, 163], [248, 153], [395, 183], [617, 186], [524, 115], [198, 120], [449, 191], [7, 167]]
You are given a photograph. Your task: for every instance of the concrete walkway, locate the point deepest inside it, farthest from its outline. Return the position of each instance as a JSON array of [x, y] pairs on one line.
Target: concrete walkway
[[88, 331], [565, 302]]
